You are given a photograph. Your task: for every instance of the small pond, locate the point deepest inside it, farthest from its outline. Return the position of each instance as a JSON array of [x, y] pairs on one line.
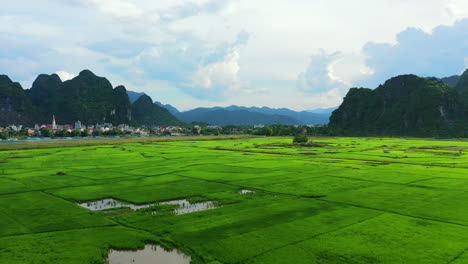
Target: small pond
[[110, 204], [151, 254], [186, 207]]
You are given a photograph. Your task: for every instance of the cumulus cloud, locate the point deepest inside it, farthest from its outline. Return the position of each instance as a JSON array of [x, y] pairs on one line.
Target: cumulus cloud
[[190, 49], [319, 77], [192, 8], [65, 76], [329, 76], [116, 8], [198, 69], [149, 12], [457, 8], [217, 79], [440, 53]]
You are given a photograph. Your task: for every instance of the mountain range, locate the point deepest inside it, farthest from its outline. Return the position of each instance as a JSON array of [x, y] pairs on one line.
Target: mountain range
[[406, 105], [241, 115], [92, 99], [87, 97]]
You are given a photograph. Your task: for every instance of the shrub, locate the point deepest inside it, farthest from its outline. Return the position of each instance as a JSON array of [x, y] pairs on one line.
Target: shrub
[[300, 139]]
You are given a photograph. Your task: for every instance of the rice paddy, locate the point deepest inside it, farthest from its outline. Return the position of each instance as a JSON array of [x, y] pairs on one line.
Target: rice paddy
[[236, 200]]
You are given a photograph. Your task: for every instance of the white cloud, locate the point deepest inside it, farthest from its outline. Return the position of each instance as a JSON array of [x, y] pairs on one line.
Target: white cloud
[[116, 8], [458, 8], [218, 79], [65, 76], [194, 8], [440, 53], [184, 43], [319, 76], [16, 24], [350, 68]]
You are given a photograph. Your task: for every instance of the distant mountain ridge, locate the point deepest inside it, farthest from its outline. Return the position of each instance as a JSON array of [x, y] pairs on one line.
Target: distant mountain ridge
[[133, 96], [323, 110], [234, 117], [451, 81], [169, 107], [87, 97], [304, 117], [241, 115]]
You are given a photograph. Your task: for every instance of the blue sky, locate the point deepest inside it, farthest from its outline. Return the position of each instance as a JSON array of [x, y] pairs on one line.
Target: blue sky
[[298, 54]]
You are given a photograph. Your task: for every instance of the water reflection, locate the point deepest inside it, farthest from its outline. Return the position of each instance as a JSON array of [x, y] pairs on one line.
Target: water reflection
[[151, 254], [110, 204], [186, 207]]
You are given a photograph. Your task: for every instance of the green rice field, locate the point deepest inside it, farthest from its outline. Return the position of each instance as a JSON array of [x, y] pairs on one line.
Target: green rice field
[[338, 200]]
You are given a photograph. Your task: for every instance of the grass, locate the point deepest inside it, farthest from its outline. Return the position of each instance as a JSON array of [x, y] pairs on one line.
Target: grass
[[339, 200]]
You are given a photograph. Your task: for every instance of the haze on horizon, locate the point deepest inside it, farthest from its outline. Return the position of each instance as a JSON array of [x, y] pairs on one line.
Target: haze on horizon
[[191, 53]]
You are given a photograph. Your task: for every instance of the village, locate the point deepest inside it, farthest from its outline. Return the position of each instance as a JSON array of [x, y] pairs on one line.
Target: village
[[78, 129]]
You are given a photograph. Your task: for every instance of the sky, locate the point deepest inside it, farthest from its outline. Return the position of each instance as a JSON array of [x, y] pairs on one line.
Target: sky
[[299, 54]]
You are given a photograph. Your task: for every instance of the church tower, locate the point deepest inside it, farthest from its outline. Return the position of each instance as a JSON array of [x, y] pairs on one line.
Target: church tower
[[54, 125]]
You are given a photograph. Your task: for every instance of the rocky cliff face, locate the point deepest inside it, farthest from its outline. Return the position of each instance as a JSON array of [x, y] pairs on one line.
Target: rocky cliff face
[[122, 112], [462, 84], [15, 105], [148, 113], [87, 97], [44, 89], [405, 105]]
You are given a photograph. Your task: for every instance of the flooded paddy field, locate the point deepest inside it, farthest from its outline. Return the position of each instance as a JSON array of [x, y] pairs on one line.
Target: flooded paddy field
[[340, 200], [181, 206], [149, 255]]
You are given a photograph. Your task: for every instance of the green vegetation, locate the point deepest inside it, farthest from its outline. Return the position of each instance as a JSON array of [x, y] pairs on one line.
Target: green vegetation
[[405, 105], [14, 103], [338, 200], [148, 113], [300, 139], [87, 97]]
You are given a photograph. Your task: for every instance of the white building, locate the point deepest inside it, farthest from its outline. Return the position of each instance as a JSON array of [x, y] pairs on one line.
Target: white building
[[78, 124]]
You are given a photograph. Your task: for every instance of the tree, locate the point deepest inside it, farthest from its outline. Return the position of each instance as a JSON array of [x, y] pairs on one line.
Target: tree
[[85, 133], [4, 135], [23, 132], [97, 133], [76, 133], [300, 139], [45, 132], [267, 131], [61, 133], [113, 132], [151, 131]]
